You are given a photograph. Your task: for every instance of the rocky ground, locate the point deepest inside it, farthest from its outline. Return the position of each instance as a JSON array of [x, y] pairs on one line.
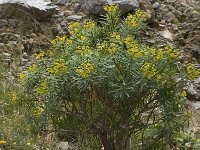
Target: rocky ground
[[28, 26]]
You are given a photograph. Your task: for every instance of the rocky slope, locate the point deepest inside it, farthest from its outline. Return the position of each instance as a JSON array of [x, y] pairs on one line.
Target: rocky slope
[[27, 26]]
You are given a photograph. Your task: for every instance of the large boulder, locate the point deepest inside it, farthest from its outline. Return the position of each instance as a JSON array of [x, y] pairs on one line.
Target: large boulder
[[38, 9], [95, 7]]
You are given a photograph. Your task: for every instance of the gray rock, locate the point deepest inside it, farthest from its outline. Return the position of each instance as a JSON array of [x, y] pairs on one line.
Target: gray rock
[[147, 7], [2, 45], [196, 105], [75, 17], [67, 13], [167, 34], [62, 2], [63, 146], [7, 54], [3, 22], [156, 5], [95, 7], [39, 9], [193, 90]]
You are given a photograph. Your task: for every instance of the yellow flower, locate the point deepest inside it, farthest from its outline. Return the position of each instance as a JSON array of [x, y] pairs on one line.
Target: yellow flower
[[37, 111], [184, 94], [85, 69], [134, 20], [32, 68], [140, 13], [148, 70], [58, 68], [28, 143], [69, 42], [50, 53], [22, 76], [192, 72], [101, 48], [58, 39], [131, 21], [40, 55], [171, 52], [89, 25], [14, 96], [112, 48], [83, 38], [134, 52], [83, 50], [111, 8], [2, 142], [42, 89], [73, 27], [157, 54], [130, 42], [115, 35], [158, 77]]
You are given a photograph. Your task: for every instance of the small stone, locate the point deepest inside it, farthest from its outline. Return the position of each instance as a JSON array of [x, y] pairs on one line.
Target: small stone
[[63, 146], [24, 60], [7, 54], [31, 40], [166, 34], [67, 13], [33, 35], [196, 105], [3, 22], [2, 45], [151, 41], [156, 5], [75, 17], [13, 22], [62, 2]]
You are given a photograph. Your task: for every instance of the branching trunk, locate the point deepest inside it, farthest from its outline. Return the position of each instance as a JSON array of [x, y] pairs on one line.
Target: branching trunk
[[122, 143], [106, 143]]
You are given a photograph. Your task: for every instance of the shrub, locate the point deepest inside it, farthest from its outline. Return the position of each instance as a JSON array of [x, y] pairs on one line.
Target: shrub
[[102, 81]]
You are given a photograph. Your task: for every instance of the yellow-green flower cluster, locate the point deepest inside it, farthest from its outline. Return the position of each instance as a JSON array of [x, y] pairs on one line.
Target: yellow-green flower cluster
[[2, 142], [157, 54], [84, 50], [42, 89], [134, 52], [85, 69], [192, 72], [70, 42], [14, 96], [22, 76], [102, 48], [74, 27], [129, 42], [32, 68], [40, 55], [111, 8], [37, 111], [140, 14], [58, 68], [112, 48], [58, 39], [148, 70], [171, 52], [132, 47], [89, 25], [50, 53], [133, 20], [183, 93], [115, 35]]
